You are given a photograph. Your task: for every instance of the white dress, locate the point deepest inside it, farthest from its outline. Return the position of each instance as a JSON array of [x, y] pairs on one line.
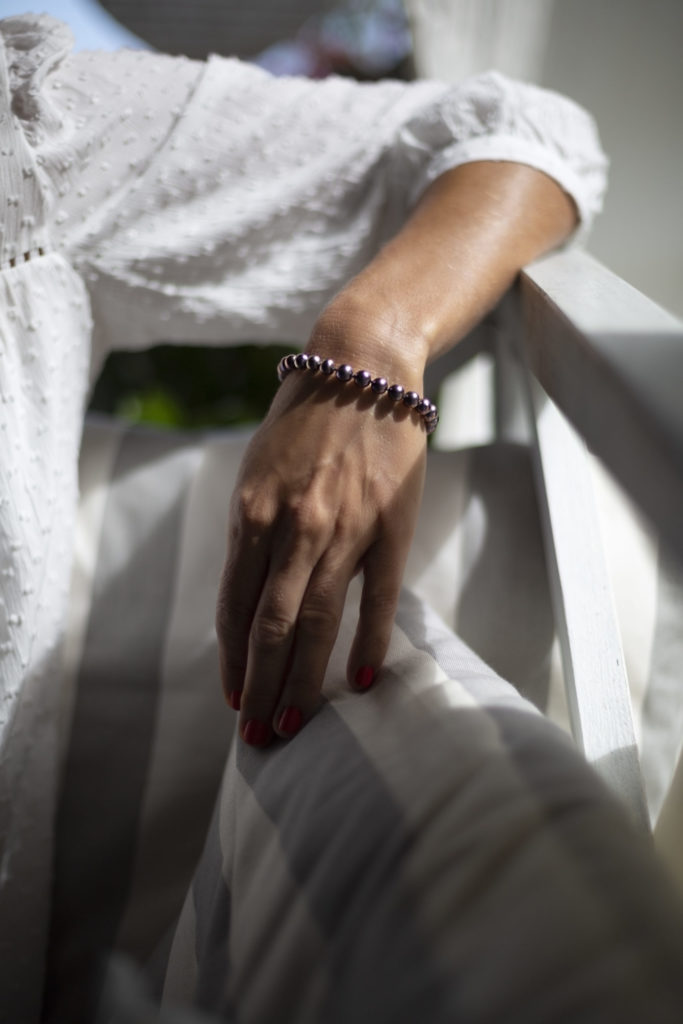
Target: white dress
[[145, 198]]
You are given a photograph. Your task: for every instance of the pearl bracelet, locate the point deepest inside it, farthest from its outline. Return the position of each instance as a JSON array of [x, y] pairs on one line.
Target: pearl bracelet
[[363, 379]]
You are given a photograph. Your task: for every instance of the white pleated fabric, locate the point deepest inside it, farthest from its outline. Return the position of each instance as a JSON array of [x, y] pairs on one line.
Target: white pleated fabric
[[145, 198]]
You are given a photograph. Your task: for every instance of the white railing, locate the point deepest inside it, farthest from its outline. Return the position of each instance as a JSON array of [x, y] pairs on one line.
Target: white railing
[[612, 361], [583, 361]]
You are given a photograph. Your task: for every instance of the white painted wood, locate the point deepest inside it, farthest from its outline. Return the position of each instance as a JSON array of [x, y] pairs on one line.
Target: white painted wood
[[597, 687], [596, 300], [612, 360], [462, 380], [509, 406], [465, 409]]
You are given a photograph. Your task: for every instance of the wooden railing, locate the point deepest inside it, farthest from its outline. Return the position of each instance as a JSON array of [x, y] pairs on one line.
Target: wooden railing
[[603, 367], [612, 360], [584, 362]]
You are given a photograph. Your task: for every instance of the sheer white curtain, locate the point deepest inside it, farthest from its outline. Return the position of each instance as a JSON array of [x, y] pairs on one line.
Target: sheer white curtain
[[455, 38]]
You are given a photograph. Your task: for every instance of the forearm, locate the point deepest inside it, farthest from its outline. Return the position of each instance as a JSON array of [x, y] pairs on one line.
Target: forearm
[[472, 231]]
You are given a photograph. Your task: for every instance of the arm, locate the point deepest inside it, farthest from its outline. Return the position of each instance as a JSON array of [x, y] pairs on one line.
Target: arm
[[235, 217], [327, 487]]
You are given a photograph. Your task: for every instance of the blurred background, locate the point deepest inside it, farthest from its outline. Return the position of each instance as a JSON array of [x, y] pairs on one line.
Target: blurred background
[[622, 59]]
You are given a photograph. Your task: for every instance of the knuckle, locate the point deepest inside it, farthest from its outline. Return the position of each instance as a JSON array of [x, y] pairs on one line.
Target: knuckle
[[308, 518], [382, 603], [250, 512], [270, 631], [318, 617]]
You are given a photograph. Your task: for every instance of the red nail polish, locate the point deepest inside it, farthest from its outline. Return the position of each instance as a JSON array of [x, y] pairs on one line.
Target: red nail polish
[[256, 733], [365, 677], [290, 721], [235, 699]]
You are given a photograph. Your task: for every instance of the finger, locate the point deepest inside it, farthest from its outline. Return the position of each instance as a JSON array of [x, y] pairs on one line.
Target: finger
[[383, 572], [273, 629], [316, 631], [241, 584]]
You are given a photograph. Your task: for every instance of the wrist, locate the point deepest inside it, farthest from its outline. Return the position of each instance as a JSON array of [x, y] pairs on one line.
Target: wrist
[[369, 335], [377, 388]]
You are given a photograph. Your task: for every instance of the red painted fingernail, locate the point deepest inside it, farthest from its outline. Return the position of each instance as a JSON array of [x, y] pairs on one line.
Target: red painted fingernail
[[365, 677], [256, 733], [235, 699], [290, 721]]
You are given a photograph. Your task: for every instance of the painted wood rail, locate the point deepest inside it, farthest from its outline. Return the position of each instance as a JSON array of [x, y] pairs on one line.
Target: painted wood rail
[[612, 360], [601, 366]]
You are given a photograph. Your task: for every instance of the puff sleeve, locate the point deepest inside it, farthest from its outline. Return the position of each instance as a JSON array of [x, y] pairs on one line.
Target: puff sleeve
[[214, 202]]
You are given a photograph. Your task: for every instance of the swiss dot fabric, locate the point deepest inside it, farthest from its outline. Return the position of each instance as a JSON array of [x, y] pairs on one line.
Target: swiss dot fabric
[[146, 198]]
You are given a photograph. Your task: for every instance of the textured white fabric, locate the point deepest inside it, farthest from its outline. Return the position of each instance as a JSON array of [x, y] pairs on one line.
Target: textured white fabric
[[163, 199]]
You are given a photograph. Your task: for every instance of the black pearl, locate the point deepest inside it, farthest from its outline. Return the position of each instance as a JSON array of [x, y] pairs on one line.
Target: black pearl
[[424, 406], [301, 361], [344, 373], [396, 392], [290, 361], [314, 363], [379, 385], [327, 367], [411, 398], [362, 378]]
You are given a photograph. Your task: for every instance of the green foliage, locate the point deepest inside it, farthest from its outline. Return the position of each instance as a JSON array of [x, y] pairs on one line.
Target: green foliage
[[187, 386]]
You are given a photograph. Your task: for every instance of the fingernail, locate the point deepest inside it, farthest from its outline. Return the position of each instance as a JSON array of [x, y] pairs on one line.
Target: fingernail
[[290, 721], [256, 733], [365, 677], [235, 699]]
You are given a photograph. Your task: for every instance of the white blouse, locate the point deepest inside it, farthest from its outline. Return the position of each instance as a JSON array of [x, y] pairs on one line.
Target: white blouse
[[147, 198]]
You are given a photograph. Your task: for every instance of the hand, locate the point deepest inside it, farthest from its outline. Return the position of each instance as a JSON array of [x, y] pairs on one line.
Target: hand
[[330, 485]]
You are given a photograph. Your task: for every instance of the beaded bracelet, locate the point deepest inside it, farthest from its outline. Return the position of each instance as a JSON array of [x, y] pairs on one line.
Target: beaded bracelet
[[363, 379]]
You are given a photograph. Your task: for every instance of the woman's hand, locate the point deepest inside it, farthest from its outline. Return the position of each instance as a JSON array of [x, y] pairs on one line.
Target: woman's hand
[[330, 485]]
